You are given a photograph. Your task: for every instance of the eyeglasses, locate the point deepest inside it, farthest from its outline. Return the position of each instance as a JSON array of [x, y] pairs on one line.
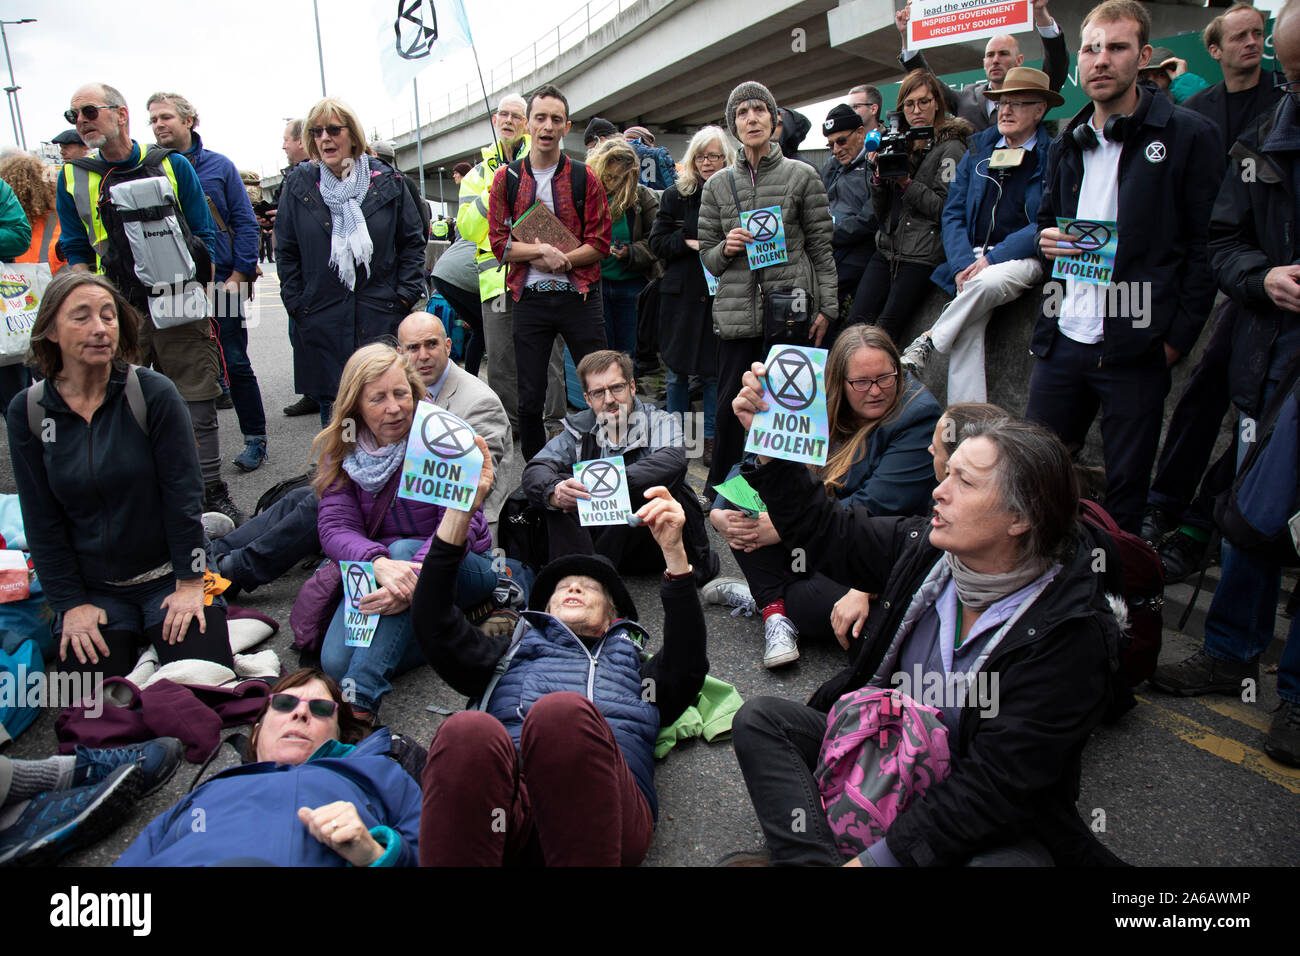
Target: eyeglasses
[[598, 394], [89, 112], [508, 114], [1015, 106], [320, 707], [709, 157], [915, 106], [318, 131], [883, 382]]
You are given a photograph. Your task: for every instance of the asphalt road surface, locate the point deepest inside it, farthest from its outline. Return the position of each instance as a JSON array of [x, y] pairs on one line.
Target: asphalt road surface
[[1175, 782]]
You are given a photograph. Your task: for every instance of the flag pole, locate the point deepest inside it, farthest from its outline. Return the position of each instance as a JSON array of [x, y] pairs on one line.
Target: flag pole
[[496, 146], [419, 137]]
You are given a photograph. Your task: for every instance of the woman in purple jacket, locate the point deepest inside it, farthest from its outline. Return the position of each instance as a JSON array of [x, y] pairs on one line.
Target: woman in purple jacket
[[361, 453]]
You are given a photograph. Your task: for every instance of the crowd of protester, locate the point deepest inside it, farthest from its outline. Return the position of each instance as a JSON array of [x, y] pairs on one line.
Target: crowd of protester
[[941, 542]]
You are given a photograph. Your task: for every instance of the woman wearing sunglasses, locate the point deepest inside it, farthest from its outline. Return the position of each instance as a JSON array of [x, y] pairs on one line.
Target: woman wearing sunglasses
[[908, 200], [349, 243], [881, 421], [316, 790]]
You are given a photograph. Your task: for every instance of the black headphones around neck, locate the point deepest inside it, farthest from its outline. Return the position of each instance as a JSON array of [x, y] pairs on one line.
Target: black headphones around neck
[[1115, 130]]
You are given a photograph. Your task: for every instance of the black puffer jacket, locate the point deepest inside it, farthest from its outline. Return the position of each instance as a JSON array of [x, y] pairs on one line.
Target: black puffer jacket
[[1015, 774]]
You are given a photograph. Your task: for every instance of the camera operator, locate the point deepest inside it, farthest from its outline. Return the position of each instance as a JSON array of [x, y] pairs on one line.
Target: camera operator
[[916, 162]]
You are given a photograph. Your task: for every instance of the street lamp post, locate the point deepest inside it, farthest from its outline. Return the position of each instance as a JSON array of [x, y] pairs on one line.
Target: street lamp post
[[15, 113]]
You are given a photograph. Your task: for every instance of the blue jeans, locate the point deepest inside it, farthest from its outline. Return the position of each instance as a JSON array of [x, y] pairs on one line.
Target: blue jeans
[[244, 390], [679, 397], [392, 651], [619, 298]]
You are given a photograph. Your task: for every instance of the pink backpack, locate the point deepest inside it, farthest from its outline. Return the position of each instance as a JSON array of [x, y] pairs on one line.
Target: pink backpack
[[882, 751]]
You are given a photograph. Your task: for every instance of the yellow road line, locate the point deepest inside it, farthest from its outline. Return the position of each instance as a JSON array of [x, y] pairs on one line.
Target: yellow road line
[[1250, 716], [1198, 735]]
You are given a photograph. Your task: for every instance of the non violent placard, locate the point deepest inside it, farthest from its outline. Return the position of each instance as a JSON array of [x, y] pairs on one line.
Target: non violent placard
[[939, 22], [768, 230], [1097, 242], [358, 581], [442, 463], [710, 279], [794, 425], [606, 479]]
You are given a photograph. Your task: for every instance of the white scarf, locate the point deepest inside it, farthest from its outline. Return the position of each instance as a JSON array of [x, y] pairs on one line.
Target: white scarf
[[350, 243]]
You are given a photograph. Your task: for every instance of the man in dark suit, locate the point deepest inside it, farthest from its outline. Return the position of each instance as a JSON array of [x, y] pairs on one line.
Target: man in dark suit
[[1001, 54], [1236, 39]]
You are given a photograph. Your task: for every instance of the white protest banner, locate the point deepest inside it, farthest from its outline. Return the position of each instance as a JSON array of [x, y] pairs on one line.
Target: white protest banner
[[939, 22], [358, 581], [794, 426], [768, 229], [606, 479], [415, 34], [442, 463]]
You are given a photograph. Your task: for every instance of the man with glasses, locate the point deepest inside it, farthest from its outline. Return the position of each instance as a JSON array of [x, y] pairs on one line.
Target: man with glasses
[[1133, 158], [990, 222], [188, 353], [511, 143], [1001, 55], [616, 422], [852, 215], [867, 102]]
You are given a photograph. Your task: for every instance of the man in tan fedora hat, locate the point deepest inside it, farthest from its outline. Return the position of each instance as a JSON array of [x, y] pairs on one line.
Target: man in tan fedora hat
[[989, 226]]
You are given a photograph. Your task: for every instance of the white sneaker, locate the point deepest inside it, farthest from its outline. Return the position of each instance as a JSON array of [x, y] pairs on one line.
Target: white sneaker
[[781, 637], [730, 592], [917, 354], [217, 525]]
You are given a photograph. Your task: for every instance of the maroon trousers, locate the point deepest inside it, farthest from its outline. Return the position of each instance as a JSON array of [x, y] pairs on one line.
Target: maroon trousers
[[565, 798]]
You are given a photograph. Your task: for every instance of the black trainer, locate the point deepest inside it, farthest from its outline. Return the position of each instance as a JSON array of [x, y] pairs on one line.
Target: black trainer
[[216, 497], [1182, 556], [1157, 525], [304, 406], [1283, 740], [1203, 674]]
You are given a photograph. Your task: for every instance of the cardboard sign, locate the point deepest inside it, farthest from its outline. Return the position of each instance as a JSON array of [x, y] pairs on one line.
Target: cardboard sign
[[939, 22], [710, 279], [358, 581], [606, 479], [794, 426], [442, 464], [768, 229], [1098, 242]]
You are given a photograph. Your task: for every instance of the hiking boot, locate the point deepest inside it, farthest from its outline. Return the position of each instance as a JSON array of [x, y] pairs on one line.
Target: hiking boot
[[254, 453], [917, 354], [224, 401], [1157, 524], [1283, 740], [1182, 556], [781, 637], [1203, 674], [216, 525], [708, 453], [304, 406], [157, 760], [216, 497], [730, 592], [58, 822]]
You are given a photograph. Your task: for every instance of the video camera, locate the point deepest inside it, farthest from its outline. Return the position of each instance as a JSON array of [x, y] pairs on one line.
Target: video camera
[[893, 156]]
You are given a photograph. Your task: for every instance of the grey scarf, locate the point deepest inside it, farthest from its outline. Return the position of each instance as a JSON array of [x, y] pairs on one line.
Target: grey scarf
[[978, 591]]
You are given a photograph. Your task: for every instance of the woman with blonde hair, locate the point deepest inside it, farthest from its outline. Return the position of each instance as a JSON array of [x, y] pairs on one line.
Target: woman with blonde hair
[[360, 453], [349, 245], [686, 337], [630, 263], [881, 423]]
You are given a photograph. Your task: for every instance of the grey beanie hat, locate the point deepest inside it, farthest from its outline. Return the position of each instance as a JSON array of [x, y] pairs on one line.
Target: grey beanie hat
[[749, 90]]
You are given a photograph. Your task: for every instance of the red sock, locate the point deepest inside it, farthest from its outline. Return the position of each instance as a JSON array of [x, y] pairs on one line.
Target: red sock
[[776, 607]]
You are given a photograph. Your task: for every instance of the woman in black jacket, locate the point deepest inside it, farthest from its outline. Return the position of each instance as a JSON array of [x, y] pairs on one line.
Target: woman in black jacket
[[350, 249], [110, 489], [686, 338], [998, 586]]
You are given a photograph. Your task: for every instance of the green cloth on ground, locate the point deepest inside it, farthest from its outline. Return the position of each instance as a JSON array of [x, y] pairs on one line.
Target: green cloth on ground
[[709, 718]]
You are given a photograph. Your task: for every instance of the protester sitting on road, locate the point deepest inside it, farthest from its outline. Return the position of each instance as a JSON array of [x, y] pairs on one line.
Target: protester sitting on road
[[908, 201], [52, 807], [950, 425], [651, 445], [319, 789], [880, 420], [349, 248], [998, 583], [111, 493], [990, 226], [555, 750], [630, 263], [361, 454], [686, 337]]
